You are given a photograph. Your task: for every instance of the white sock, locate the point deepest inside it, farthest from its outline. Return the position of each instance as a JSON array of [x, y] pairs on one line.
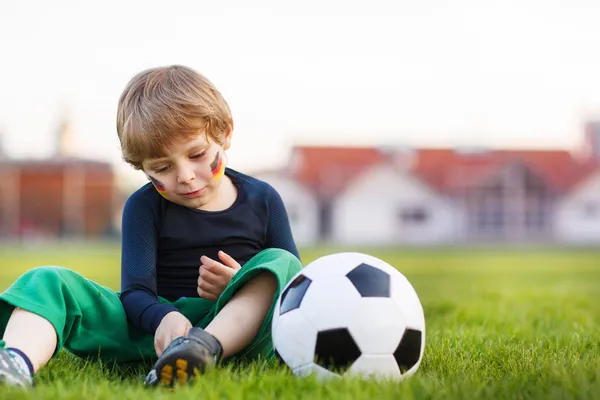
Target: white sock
[[20, 362]]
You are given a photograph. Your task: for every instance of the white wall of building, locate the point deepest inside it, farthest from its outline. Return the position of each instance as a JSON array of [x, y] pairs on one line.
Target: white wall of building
[[577, 215], [301, 206], [385, 206]]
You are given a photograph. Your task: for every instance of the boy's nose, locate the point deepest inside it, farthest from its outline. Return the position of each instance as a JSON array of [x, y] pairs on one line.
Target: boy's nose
[[185, 176]]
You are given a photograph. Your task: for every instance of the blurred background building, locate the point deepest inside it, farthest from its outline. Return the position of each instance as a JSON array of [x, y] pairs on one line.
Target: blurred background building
[[59, 197], [442, 196], [381, 195]]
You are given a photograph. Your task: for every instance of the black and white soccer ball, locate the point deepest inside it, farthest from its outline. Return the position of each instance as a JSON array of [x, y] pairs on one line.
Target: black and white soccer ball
[[349, 314]]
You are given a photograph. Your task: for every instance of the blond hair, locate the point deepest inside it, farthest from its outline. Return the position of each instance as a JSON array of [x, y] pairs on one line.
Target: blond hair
[[161, 105]]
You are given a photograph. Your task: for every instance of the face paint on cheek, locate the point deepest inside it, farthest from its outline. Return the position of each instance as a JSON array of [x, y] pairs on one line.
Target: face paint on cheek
[[217, 167], [160, 188]]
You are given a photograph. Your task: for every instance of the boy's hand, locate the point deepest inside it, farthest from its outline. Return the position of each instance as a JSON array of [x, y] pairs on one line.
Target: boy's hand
[[172, 326], [215, 276]]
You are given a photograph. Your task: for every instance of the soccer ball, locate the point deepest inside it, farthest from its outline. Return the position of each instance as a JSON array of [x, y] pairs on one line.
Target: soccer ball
[[349, 314]]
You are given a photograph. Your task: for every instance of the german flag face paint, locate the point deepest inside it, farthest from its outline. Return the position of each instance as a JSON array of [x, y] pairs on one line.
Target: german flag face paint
[[160, 188], [217, 167]]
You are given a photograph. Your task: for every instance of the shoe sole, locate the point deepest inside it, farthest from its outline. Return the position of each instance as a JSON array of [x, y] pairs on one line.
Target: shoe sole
[[180, 368]]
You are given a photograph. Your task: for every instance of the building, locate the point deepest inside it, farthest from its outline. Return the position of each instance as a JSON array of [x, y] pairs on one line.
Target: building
[[301, 205], [429, 196], [59, 196], [388, 205], [577, 219]]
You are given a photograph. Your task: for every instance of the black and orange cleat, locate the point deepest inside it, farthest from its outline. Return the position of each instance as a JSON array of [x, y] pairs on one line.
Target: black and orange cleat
[[184, 359]]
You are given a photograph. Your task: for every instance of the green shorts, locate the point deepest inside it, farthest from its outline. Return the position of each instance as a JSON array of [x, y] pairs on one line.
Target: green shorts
[[90, 320]]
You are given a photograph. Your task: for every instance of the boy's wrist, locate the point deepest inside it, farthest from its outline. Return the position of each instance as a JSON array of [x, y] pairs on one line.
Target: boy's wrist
[[170, 313], [156, 313]]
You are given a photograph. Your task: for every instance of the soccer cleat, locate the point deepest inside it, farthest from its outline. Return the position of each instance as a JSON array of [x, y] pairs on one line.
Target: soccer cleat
[[12, 372], [185, 358]]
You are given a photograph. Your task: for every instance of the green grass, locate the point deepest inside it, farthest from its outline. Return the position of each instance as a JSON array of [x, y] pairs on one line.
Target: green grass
[[500, 325]]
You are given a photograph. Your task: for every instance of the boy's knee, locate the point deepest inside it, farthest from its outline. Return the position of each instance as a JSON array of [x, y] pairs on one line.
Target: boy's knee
[[46, 273], [284, 258], [288, 264], [279, 264], [284, 254]]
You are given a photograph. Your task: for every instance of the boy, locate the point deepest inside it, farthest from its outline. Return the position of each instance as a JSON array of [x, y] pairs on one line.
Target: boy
[[206, 251]]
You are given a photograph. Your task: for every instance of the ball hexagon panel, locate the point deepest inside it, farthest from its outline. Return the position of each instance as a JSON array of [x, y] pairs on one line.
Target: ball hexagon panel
[[379, 366], [334, 265], [370, 281], [330, 303], [408, 353], [404, 294], [375, 262], [294, 339], [377, 325], [336, 350], [292, 295]]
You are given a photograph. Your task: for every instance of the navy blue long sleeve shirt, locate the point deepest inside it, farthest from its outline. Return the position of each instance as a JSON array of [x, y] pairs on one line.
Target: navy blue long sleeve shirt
[[163, 243]]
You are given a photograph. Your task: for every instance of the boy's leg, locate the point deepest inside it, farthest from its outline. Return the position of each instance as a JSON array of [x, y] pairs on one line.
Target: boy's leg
[[248, 303], [239, 323], [33, 335], [87, 319], [246, 311]]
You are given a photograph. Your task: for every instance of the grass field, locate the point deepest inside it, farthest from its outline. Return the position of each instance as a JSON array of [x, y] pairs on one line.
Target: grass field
[[500, 325]]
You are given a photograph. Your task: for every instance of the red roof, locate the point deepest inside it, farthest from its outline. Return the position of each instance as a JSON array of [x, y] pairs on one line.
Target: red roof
[[328, 170], [445, 169]]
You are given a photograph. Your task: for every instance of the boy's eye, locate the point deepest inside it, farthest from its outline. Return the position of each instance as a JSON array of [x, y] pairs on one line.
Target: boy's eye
[[198, 155], [161, 169]]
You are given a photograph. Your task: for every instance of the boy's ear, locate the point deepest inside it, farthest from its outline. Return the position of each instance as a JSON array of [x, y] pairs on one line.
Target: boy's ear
[[227, 138]]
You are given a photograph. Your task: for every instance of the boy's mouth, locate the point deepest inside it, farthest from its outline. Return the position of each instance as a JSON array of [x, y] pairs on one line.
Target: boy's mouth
[[194, 193]]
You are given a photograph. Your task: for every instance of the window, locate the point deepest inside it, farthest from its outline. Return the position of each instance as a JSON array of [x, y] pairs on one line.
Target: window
[[413, 215], [536, 219], [537, 211], [590, 209], [489, 213], [491, 219]]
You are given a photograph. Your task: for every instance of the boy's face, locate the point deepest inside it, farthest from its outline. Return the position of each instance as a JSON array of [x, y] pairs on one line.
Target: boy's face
[[190, 175]]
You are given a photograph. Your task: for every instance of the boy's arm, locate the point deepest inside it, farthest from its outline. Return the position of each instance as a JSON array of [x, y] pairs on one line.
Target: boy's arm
[[279, 232], [138, 265]]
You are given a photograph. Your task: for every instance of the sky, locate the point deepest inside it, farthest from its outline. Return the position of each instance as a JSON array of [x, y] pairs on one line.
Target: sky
[[507, 73]]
